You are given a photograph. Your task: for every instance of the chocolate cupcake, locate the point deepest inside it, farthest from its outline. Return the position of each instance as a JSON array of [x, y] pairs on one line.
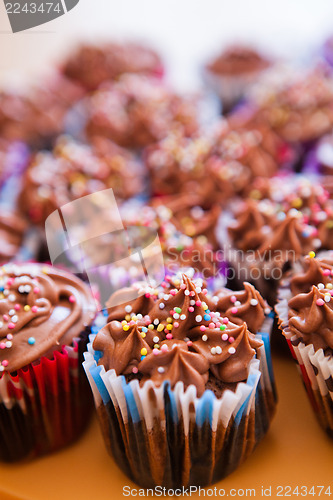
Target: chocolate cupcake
[[92, 65], [232, 73], [136, 111], [45, 319], [304, 314], [73, 170], [183, 395]]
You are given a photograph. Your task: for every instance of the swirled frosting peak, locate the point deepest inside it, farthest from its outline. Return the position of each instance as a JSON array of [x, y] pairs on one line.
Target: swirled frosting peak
[[41, 309], [183, 337]]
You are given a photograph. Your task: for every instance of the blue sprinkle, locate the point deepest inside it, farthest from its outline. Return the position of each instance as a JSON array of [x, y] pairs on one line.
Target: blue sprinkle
[[31, 340], [142, 357], [207, 317], [144, 329]]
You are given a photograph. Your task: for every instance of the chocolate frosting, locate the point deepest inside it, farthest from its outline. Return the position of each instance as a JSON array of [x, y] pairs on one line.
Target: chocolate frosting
[[237, 60], [311, 317], [180, 339], [244, 305], [41, 309], [12, 229], [317, 270]]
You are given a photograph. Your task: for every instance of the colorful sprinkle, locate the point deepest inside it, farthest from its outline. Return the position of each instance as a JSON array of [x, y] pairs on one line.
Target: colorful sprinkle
[[31, 340]]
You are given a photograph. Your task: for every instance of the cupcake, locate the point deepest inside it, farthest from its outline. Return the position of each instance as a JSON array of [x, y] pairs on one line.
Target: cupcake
[[304, 312], [183, 395], [136, 111], [92, 65], [233, 72], [73, 170], [46, 315], [263, 241]]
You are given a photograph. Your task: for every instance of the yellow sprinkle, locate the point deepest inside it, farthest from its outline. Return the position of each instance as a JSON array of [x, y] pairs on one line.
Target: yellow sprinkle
[[134, 318], [160, 327], [125, 328], [329, 286], [143, 351], [128, 317], [169, 327], [297, 203], [142, 334], [124, 322], [205, 306], [312, 254], [156, 346], [151, 326], [169, 320], [26, 308], [177, 282]]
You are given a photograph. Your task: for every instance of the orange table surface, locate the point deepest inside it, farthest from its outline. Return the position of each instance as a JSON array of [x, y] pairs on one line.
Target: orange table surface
[[295, 452]]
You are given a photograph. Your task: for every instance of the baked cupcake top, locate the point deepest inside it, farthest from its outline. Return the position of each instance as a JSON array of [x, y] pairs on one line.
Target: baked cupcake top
[[181, 338], [73, 170], [136, 111], [91, 65], [238, 60], [311, 317], [41, 309]]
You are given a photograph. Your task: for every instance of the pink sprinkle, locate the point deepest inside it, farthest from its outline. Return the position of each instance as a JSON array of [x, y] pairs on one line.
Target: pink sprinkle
[[231, 340], [17, 307], [176, 324], [189, 343], [331, 292], [2, 345], [5, 317], [172, 312], [225, 336], [34, 309], [173, 292], [5, 362], [36, 289], [225, 321], [183, 286], [132, 322], [72, 299], [198, 303], [218, 324], [192, 293], [202, 328], [211, 325], [156, 351], [11, 325], [164, 348], [135, 369], [191, 309], [169, 336], [326, 272], [234, 310], [10, 281], [233, 299], [147, 295], [205, 291], [320, 302]]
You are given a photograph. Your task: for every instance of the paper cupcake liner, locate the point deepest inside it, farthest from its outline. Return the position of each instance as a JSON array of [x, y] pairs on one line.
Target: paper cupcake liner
[[45, 405], [315, 368], [171, 438]]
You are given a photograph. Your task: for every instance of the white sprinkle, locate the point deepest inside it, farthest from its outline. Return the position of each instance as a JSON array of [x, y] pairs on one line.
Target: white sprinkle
[[15, 319], [176, 316], [2, 368], [156, 339], [162, 306], [156, 321], [213, 350], [253, 302], [11, 312], [27, 288], [327, 297], [204, 338], [231, 350], [11, 297], [182, 317], [166, 297], [225, 336], [128, 308], [198, 318], [9, 344], [21, 289], [321, 286], [192, 302], [1, 324], [237, 303], [6, 292], [160, 369], [218, 349], [198, 289], [187, 292], [139, 316]]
